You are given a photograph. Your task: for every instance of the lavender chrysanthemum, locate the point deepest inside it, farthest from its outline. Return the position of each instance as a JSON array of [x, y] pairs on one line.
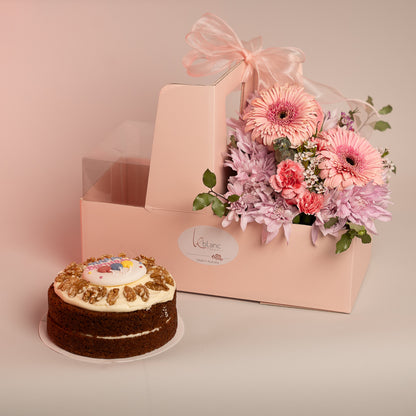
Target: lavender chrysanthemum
[[363, 205], [250, 194], [360, 205], [274, 215], [250, 159], [253, 165]]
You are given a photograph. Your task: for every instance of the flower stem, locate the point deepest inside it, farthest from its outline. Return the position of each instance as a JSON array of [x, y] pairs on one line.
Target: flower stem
[[212, 192]]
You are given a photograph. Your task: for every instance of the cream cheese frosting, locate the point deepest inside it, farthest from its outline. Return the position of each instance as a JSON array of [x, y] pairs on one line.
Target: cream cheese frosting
[[133, 273]]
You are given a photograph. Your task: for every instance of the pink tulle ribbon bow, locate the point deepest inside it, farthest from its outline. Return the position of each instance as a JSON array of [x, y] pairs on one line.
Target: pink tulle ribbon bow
[[216, 47]]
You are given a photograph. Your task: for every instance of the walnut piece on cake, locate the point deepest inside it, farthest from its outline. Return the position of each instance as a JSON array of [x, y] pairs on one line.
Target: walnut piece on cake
[[94, 294], [129, 294], [147, 261], [112, 296], [152, 285], [143, 292], [77, 286]]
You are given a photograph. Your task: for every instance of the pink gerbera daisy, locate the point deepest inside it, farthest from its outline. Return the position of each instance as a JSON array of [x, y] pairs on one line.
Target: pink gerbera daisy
[[349, 159], [283, 111]]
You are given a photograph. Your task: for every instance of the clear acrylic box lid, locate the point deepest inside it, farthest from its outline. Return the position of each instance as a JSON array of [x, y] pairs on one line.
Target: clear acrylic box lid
[[117, 170]]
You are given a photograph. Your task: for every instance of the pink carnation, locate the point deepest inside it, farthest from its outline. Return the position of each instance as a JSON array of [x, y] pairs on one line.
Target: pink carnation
[[289, 180], [310, 202]]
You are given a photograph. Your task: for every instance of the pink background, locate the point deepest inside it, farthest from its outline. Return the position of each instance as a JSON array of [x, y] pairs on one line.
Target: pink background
[[70, 72]]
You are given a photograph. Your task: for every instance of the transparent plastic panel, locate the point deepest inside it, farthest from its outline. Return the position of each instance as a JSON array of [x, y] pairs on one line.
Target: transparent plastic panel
[[117, 171]]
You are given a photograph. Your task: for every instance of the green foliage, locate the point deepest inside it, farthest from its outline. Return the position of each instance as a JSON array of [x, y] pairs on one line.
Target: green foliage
[[370, 100], [282, 149], [381, 125], [304, 219], [296, 220], [354, 230], [205, 199], [234, 198], [386, 110], [218, 202], [385, 153], [202, 200], [344, 242], [366, 238], [209, 179], [218, 207], [331, 222]]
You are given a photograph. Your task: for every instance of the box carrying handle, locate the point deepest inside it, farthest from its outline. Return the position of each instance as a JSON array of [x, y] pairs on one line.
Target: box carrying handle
[[189, 137]]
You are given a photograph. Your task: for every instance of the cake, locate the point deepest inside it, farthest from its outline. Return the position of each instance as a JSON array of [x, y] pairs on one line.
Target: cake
[[112, 307]]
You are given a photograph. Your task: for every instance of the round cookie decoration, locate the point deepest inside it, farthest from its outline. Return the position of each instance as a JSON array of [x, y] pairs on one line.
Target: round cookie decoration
[[114, 271], [116, 266], [105, 268]]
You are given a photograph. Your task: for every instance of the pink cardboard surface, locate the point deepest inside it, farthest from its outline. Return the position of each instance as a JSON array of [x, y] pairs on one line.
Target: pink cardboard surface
[[270, 273]]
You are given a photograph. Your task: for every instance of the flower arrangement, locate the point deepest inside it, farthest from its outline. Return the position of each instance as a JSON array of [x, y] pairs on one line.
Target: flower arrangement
[[295, 162]]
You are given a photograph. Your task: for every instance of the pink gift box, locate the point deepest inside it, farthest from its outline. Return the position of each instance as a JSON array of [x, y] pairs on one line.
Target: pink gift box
[[142, 204]]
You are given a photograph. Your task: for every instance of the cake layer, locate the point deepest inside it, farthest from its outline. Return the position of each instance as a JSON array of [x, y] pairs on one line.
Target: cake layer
[[97, 323], [119, 347]]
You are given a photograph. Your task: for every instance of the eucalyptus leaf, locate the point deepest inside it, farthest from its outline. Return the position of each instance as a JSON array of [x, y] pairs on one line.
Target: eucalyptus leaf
[[278, 156], [209, 179], [370, 100], [234, 198], [281, 155], [382, 125], [359, 229], [288, 154], [218, 207], [282, 143], [386, 109], [344, 242], [296, 220], [365, 238], [202, 200], [331, 222]]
